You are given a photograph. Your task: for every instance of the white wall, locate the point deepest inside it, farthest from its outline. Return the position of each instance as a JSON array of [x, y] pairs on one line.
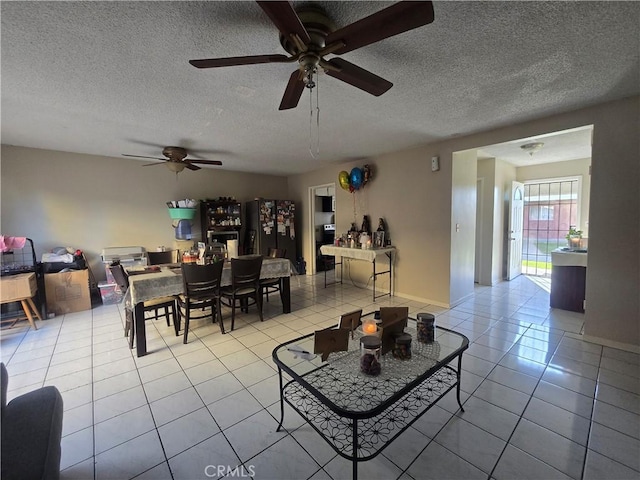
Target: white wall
[[613, 272], [463, 225], [498, 176], [505, 173], [91, 202]]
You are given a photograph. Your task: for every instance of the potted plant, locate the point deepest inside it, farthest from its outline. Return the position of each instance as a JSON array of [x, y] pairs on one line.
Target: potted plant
[[574, 237]]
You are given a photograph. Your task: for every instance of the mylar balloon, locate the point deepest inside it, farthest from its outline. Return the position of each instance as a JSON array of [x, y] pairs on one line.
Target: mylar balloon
[[366, 170], [343, 178], [356, 177]]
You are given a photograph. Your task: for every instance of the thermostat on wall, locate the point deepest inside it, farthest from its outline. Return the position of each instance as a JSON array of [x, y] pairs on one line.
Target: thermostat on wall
[[435, 164]]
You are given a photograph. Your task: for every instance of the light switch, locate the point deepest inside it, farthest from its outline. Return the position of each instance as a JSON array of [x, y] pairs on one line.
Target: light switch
[[435, 164]]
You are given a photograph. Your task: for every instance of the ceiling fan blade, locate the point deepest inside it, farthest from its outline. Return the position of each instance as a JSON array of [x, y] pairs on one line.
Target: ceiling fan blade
[[152, 164], [233, 61], [286, 20], [142, 156], [358, 77], [293, 92], [398, 18], [205, 162], [190, 166]]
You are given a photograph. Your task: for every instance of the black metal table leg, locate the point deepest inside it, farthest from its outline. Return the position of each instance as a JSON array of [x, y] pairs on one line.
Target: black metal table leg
[[354, 451], [458, 384], [281, 400]]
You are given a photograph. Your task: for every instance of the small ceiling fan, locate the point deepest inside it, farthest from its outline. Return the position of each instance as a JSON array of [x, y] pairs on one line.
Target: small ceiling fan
[[176, 160], [308, 35]]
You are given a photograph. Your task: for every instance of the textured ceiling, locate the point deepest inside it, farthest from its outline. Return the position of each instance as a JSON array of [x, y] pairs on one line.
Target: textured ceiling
[[108, 78]]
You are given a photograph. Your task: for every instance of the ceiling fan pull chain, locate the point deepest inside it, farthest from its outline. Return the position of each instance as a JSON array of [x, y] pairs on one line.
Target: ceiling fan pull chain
[[315, 155]]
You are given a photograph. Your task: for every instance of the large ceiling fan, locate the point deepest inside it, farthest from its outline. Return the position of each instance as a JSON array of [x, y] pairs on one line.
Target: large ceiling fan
[[308, 35], [177, 160]]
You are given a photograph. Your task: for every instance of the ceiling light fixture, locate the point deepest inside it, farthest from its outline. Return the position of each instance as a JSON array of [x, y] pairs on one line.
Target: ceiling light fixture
[[175, 167], [532, 147]]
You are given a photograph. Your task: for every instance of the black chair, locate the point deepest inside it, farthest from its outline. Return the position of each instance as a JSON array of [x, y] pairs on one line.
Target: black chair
[[159, 258], [167, 304], [245, 285], [201, 293], [272, 285]]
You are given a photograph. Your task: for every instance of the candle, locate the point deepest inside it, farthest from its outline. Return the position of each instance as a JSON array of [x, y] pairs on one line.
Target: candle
[[369, 327]]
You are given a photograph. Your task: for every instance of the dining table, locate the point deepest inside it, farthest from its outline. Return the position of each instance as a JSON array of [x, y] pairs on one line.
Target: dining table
[[148, 283]]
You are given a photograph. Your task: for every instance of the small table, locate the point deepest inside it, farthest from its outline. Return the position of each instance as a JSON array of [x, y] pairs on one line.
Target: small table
[[20, 288], [168, 281], [360, 415], [368, 255]]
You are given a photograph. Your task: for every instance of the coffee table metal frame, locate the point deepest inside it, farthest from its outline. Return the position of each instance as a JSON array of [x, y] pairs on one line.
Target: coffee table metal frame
[[359, 415]]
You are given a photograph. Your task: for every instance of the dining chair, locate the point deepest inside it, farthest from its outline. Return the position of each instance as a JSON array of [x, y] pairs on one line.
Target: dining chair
[[166, 304], [245, 285], [159, 258], [272, 285], [201, 294]]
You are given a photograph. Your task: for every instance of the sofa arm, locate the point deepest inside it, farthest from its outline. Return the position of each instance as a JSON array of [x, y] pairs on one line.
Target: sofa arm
[[31, 435]]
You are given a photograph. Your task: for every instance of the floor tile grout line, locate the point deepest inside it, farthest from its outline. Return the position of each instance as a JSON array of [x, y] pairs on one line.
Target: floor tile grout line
[[520, 417], [591, 421]]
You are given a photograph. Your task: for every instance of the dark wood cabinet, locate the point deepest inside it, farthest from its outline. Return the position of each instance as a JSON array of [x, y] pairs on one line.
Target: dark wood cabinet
[[568, 288], [220, 216]]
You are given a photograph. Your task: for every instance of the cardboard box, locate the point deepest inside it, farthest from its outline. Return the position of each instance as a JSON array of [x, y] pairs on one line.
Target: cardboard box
[[67, 291], [17, 287]]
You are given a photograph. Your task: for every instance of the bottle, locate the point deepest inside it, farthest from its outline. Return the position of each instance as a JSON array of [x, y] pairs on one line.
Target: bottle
[[370, 347]]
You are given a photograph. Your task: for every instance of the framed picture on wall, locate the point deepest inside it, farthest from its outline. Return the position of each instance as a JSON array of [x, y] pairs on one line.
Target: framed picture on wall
[[378, 239]]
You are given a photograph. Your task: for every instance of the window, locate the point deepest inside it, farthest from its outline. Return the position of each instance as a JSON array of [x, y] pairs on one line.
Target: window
[[541, 212]]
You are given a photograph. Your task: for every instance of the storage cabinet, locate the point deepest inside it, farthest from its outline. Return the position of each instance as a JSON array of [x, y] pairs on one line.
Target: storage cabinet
[[220, 215], [568, 286]]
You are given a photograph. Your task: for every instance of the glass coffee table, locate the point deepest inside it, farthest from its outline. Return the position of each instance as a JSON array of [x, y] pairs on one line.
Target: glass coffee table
[[357, 414]]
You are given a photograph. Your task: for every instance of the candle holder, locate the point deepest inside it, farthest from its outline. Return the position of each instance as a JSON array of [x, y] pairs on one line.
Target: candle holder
[[369, 327]]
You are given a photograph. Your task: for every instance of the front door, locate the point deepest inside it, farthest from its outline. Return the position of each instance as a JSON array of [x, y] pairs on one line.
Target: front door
[[516, 216]]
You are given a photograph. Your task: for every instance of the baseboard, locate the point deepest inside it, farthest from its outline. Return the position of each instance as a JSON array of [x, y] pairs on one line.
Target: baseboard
[[607, 343]]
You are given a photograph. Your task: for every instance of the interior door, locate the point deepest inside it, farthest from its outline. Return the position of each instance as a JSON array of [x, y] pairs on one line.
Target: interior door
[[516, 217]]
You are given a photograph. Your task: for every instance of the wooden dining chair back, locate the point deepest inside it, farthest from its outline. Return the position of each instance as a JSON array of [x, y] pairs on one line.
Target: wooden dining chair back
[[272, 285], [159, 258], [245, 285], [201, 297], [157, 308]]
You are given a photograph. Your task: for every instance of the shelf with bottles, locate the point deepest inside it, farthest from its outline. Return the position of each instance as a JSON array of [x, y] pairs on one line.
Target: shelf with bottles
[[222, 214]]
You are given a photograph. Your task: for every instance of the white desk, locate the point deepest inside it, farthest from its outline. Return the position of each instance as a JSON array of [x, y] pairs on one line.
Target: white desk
[[365, 255]]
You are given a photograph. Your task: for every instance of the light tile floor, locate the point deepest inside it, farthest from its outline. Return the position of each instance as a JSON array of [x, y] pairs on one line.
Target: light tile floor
[[539, 402]]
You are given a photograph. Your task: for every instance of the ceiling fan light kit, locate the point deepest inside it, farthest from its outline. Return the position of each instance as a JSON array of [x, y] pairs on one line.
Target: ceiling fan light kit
[[176, 160]]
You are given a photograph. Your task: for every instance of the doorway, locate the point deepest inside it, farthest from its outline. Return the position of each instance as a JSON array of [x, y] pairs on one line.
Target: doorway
[[550, 172], [322, 206], [551, 207]]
